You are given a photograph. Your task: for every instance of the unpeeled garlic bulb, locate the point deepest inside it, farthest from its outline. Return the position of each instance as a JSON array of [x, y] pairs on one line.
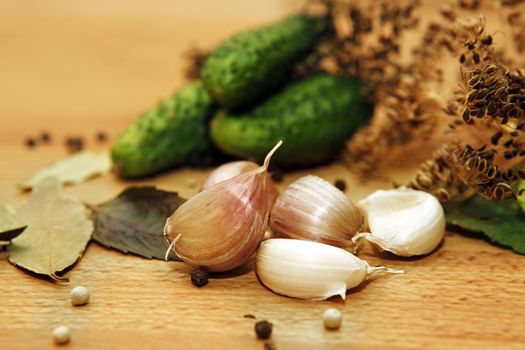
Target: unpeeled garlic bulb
[[313, 209], [310, 270], [403, 221], [232, 169], [221, 227]]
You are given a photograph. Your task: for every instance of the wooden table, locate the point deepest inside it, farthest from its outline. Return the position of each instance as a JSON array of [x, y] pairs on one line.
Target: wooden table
[[74, 68]]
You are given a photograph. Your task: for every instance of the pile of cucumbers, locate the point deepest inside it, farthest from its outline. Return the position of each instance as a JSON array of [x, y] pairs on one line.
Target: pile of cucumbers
[[243, 104]]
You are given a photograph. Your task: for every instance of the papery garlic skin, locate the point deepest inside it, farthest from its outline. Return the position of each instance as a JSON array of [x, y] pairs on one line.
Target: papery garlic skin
[[227, 171], [313, 209], [403, 221], [310, 270], [221, 227], [232, 169]]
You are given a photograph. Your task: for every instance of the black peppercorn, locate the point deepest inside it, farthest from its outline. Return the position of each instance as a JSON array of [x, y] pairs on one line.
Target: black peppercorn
[[75, 144], [102, 136], [45, 137], [340, 184], [269, 346], [277, 175], [30, 142], [199, 278], [263, 329]]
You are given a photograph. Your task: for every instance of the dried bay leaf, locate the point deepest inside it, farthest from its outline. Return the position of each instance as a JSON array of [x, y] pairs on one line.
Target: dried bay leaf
[[10, 226], [133, 222], [502, 222], [58, 230], [73, 169]]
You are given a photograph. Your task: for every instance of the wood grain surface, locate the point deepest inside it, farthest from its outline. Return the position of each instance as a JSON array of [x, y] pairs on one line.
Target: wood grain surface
[[74, 68]]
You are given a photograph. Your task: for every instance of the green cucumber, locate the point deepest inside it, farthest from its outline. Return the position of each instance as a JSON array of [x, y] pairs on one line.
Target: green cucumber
[[170, 134], [252, 64], [313, 118]]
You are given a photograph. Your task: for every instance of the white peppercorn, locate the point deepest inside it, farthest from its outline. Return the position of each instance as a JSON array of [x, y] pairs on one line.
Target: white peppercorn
[[61, 335], [79, 296], [332, 319]]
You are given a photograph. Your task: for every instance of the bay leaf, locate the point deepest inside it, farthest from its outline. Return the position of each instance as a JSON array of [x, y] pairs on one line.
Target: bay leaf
[[133, 222], [502, 222], [10, 227], [74, 169], [57, 234]]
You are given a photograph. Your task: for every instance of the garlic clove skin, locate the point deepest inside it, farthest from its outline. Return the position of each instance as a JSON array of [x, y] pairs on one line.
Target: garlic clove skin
[[220, 228], [310, 270], [232, 169], [313, 209], [403, 221], [227, 171]]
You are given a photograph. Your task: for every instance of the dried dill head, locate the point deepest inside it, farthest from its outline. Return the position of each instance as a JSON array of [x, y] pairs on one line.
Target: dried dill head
[[195, 58], [491, 97], [410, 105], [458, 171]]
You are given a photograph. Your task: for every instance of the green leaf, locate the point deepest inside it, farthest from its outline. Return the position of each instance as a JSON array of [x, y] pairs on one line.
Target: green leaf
[[502, 222], [133, 222], [57, 234], [10, 227]]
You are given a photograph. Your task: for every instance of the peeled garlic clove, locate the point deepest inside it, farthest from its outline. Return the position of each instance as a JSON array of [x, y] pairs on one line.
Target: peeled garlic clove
[[313, 209], [221, 227], [232, 169], [403, 221], [310, 270]]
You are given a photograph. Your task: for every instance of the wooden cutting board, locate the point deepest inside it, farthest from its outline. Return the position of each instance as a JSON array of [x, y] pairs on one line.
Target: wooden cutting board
[[74, 68]]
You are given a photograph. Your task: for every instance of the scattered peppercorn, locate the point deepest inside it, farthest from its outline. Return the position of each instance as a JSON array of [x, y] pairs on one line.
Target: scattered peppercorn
[[263, 329], [332, 319], [79, 296], [199, 278], [45, 137], [269, 346], [75, 144], [61, 335], [30, 142], [277, 175], [340, 184], [102, 136]]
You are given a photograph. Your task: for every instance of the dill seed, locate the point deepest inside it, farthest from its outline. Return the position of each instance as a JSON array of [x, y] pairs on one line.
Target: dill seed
[[496, 137], [250, 316], [263, 329], [199, 278], [340, 184], [487, 40]]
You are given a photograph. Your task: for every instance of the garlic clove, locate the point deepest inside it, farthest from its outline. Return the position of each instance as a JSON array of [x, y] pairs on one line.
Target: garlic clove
[[232, 169], [403, 221], [313, 209], [310, 270], [221, 227]]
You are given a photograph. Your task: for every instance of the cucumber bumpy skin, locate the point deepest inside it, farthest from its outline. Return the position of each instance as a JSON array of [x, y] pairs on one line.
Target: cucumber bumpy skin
[[252, 64], [313, 118], [167, 135]]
